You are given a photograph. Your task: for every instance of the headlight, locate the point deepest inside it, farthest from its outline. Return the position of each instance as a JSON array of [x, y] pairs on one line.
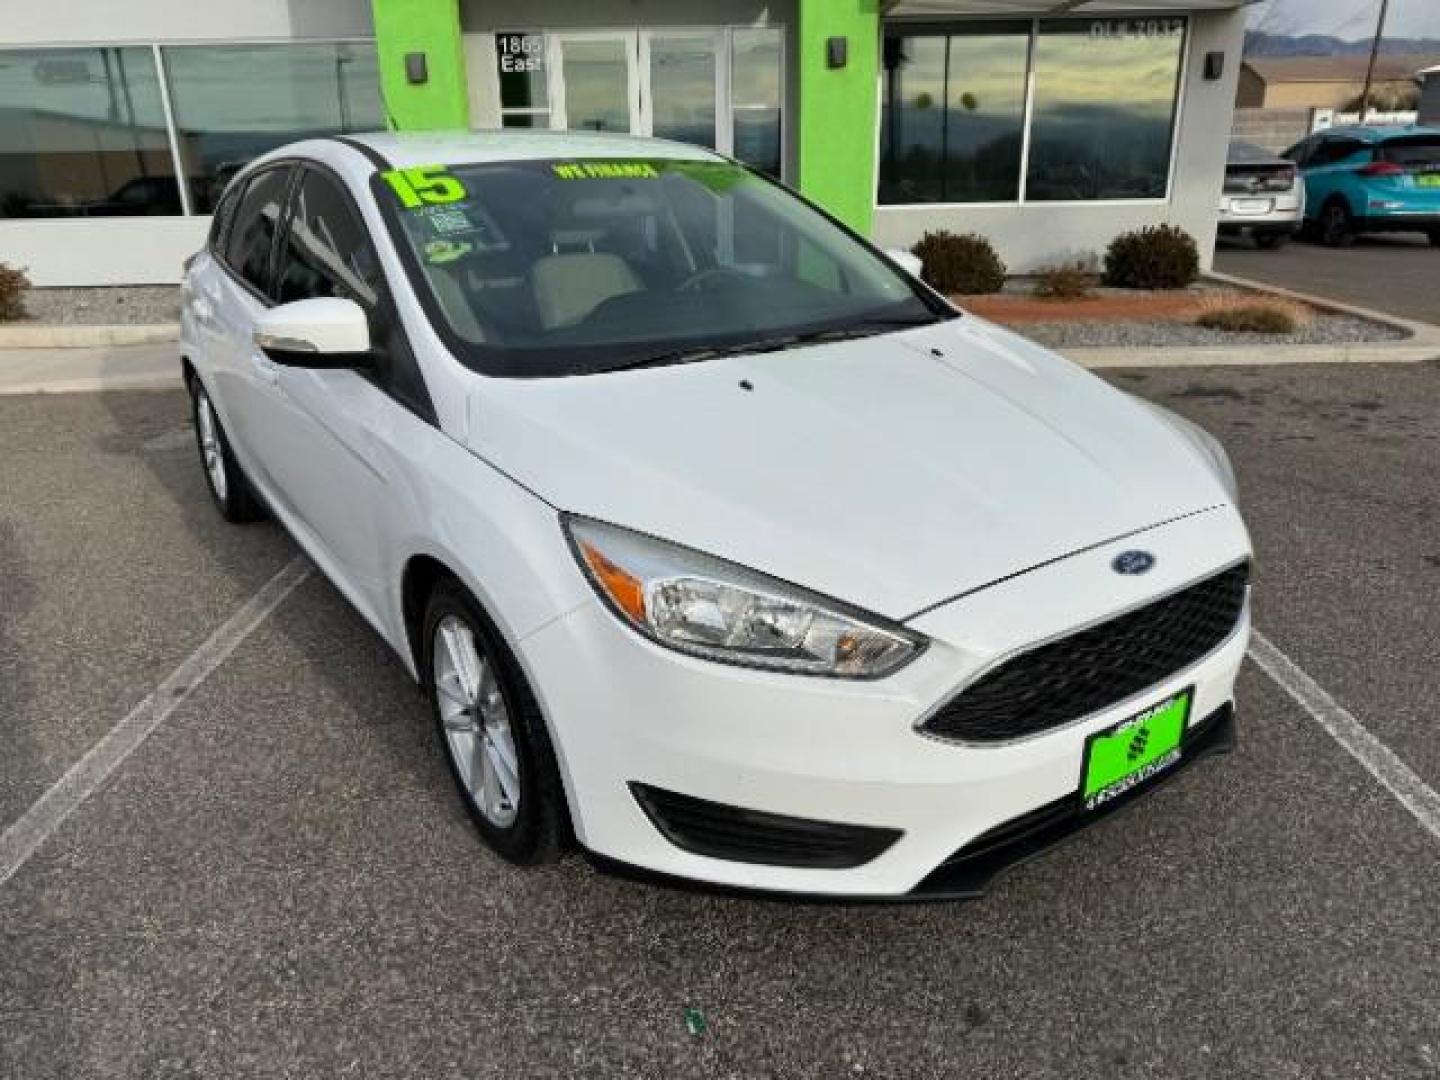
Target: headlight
[[698, 604], [1208, 446]]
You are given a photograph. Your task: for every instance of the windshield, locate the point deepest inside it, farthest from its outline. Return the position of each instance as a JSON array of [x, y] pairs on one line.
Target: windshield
[[541, 268]]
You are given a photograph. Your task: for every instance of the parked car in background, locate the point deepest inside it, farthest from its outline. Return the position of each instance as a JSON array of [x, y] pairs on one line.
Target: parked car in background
[[1369, 180], [1263, 198]]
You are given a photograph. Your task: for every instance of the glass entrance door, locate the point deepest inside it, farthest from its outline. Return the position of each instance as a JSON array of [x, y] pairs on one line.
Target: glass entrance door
[[598, 88], [682, 91], [717, 87]]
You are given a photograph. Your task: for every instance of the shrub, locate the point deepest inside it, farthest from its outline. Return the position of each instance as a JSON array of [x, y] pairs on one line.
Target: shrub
[[960, 264], [1160, 257], [1251, 315], [13, 284], [1065, 281]]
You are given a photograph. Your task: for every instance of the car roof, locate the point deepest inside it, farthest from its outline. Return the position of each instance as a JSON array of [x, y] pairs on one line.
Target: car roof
[[1374, 133], [406, 149]]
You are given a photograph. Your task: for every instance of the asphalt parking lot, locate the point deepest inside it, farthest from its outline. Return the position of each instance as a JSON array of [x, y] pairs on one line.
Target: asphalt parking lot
[[280, 882], [1398, 274]]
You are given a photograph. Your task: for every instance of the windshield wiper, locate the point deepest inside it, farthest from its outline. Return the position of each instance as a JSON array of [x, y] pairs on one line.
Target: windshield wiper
[[695, 354]]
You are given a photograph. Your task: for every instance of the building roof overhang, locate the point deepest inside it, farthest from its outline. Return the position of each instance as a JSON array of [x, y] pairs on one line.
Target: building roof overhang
[[1033, 8]]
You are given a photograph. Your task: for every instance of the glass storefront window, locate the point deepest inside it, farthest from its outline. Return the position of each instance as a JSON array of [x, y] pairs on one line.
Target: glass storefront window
[[912, 127], [82, 133], [755, 98], [1105, 96], [235, 102], [953, 121], [954, 118]]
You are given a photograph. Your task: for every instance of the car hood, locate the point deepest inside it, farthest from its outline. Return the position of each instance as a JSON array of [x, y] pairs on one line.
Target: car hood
[[892, 472]]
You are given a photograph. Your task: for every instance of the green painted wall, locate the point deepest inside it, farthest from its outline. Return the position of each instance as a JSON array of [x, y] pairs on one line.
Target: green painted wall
[[431, 27], [837, 108]]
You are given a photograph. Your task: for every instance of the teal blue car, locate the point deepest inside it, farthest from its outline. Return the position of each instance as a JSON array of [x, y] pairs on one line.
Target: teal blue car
[[1370, 180]]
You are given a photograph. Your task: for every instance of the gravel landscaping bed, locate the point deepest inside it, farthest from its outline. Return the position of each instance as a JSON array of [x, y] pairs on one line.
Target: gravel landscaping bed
[[1326, 329], [136, 305]]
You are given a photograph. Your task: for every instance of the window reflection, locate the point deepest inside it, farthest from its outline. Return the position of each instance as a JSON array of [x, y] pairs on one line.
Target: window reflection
[[682, 88], [597, 84], [235, 102], [82, 133], [954, 117], [755, 97], [1105, 93]]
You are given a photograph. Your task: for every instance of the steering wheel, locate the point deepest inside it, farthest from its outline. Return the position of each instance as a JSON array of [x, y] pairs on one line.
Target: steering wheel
[[704, 280]]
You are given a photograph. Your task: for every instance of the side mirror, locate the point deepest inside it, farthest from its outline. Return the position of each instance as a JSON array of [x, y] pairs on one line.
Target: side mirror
[[905, 260], [327, 332]]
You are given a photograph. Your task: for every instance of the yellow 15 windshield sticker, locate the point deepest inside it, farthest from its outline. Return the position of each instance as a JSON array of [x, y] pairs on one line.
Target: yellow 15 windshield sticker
[[424, 185], [606, 170]]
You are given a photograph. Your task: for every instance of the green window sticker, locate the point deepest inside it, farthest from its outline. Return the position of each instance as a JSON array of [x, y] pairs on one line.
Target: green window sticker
[[606, 170], [424, 185], [440, 252]]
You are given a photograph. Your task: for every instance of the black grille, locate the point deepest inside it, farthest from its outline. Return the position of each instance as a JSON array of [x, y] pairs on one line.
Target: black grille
[[1088, 671], [740, 835]]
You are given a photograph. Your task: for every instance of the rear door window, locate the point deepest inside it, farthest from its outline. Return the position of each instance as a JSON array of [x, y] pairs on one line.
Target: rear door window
[[251, 243]]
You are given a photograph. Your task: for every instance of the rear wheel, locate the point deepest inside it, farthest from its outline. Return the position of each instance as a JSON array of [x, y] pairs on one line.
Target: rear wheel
[[233, 495], [1337, 229], [493, 734]]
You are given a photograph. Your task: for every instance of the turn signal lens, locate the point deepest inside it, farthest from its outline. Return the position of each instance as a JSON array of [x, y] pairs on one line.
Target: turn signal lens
[[698, 604], [624, 591]]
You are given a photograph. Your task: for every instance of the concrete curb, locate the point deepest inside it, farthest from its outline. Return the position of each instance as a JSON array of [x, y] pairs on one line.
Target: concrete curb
[[53, 336], [106, 384], [1380, 352]]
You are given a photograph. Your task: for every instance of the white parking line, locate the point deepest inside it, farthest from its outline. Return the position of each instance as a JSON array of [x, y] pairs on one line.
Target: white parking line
[[1379, 760], [84, 778]]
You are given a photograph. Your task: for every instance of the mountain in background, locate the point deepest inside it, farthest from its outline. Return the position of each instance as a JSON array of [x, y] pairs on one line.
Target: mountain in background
[[1259, 43]]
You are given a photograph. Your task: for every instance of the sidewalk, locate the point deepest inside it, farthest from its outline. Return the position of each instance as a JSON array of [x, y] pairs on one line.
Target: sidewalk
[[60, 371]]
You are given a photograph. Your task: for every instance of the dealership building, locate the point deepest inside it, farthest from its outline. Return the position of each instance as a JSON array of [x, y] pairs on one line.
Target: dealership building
[[1047, 125]]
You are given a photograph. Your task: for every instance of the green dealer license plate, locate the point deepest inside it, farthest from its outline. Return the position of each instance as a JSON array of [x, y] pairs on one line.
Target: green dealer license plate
[[1134, 750]]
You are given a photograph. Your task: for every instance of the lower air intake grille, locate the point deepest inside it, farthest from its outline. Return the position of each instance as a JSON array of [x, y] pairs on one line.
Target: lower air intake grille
[[740, 835], [1075, 676]]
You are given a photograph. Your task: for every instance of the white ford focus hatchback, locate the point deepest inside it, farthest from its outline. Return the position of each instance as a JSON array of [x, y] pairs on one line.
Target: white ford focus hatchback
[[722, 546]]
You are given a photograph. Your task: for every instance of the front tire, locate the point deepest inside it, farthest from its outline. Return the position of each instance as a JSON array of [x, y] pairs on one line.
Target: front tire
[[229, 487], [492, 731], [1337, 228]]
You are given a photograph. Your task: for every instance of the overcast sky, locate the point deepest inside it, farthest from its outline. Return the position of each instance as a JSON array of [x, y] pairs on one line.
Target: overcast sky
[[1350, 19]]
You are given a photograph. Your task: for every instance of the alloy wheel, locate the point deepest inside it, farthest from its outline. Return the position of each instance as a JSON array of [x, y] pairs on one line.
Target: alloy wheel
[[476, 722], [210, 449]]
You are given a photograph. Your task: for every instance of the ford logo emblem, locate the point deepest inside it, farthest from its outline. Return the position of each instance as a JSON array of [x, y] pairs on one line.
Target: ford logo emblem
[[1132, 562]]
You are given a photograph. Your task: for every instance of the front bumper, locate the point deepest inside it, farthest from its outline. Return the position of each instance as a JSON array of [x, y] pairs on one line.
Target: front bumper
[[625, 711]]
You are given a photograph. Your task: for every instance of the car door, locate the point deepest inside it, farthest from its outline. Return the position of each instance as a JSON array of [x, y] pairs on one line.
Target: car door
[[1329, 171], [330, 439], [245, 380]]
